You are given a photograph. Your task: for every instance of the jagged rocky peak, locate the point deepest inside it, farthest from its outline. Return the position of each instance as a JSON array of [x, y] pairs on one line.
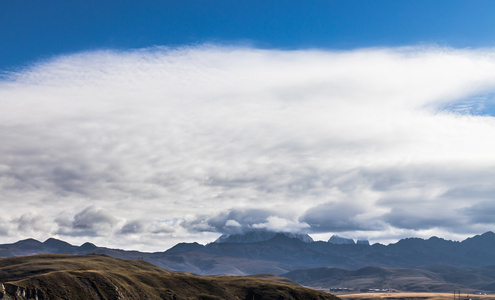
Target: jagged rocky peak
[[363, 242], [335, 239], [259, 236], [301, 236]]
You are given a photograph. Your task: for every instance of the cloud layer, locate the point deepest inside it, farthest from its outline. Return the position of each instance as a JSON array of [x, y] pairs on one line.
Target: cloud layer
[[146, 148]]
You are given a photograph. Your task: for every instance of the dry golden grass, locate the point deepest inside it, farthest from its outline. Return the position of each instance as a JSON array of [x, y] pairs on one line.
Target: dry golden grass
[[85, 277], [412, 296]]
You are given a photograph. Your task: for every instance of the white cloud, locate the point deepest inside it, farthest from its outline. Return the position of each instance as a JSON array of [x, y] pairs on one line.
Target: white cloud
[[232, 223], [278, 224], [89, 222], [32, 223], [162, 139]]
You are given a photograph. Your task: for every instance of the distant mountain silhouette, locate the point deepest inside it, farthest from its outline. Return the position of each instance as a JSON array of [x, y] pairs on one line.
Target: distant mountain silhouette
[[185, 247], [335, 239], [281, 254], [259, 236]]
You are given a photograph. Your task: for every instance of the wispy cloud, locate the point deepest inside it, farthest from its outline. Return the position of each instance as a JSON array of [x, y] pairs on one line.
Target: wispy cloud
[[367, 142]]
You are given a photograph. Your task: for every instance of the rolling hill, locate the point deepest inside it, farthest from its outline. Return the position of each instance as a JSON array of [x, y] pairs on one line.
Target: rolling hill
[[58, 276]]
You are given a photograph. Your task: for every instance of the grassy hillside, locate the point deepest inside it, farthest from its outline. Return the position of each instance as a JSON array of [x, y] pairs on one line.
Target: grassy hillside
[[102, 277]]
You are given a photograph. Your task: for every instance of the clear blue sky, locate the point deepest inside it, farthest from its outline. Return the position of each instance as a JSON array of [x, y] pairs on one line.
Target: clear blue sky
[[33, 30]]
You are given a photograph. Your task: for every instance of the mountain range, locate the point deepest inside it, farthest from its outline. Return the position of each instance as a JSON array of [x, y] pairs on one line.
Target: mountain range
[[291, 253], [280, 253]]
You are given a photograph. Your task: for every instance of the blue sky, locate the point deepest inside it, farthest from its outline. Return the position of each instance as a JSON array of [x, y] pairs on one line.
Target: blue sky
[[141, 124], [33, 30]]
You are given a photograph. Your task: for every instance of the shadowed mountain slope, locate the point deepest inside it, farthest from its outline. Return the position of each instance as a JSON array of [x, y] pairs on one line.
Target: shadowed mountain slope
[[101, 277], [259, 236]]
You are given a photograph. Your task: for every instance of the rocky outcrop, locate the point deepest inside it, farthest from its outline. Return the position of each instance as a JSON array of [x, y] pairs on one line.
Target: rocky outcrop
[[13, 292]]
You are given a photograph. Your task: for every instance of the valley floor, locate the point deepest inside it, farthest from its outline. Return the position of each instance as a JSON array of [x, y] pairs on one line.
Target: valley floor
[[411, 296]]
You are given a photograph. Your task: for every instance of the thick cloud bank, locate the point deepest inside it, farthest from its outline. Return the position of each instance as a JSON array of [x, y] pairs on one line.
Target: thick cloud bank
[[143, 149]]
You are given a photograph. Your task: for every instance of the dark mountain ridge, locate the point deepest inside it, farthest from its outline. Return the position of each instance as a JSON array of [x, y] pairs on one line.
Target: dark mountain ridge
[[260, 236], [281, 254]]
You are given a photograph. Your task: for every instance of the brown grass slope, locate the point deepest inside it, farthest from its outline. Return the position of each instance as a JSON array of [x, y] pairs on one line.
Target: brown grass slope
[[101, 277]]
